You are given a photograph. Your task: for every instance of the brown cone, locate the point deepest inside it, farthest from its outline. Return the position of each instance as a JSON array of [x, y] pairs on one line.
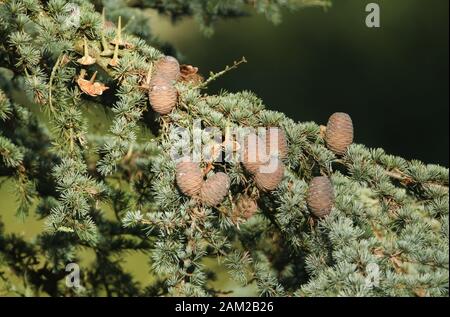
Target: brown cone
[[339, 132], [320, 197], [189, 73], [281, 146], [162, 95], [168, 67], [253, 158], [189, 178], [269, 181], [215, 189], [246, 207]]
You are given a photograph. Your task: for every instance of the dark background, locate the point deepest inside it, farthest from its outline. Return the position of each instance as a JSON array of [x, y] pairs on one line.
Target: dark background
[[393, 81]]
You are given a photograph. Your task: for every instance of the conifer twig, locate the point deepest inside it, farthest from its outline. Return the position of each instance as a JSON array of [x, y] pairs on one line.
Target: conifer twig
[[405, 179], [50, 83], [213, 76], [402, 177]]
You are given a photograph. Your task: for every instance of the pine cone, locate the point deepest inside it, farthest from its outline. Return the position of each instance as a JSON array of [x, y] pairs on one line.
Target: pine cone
[[246, 207], [339, 133], [253, 158], [189, 178], [269, 181], [282, 144], [168, 67], [162, 95], [320, 197], [215, 189]]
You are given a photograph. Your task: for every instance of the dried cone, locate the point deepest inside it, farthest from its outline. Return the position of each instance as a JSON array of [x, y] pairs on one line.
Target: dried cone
[[339, 132], [281, 146], [189, 73], [168, 67], [162, 95], [189, 178], [246, 207], [253, 156], [268, 181], [86, 59], [320, 197], [215, 189], [91, 87]]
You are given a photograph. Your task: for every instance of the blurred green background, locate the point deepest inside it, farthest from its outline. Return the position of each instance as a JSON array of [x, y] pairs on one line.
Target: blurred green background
[[393, 81]]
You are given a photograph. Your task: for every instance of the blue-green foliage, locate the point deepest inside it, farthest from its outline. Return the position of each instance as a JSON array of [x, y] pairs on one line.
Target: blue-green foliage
[[387, 234]]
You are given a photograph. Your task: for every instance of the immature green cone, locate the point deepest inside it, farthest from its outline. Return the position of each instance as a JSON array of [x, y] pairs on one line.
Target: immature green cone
[[320, 197], [282, 147], [162, 95], [215, 189], [189, 178], [268, 181], [168, 67], [339, 132]]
